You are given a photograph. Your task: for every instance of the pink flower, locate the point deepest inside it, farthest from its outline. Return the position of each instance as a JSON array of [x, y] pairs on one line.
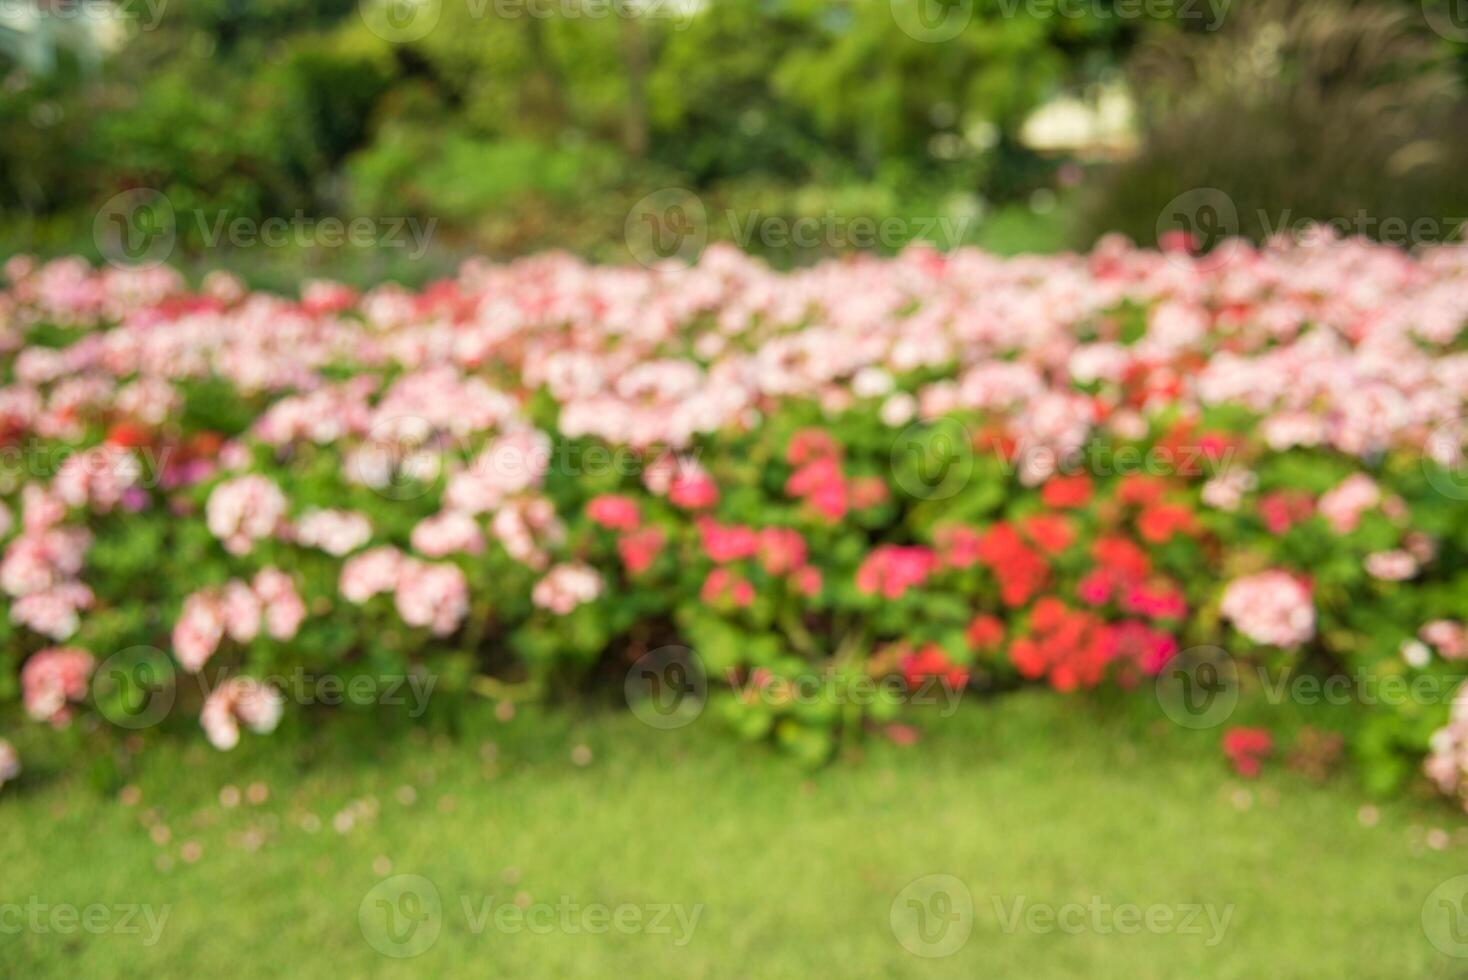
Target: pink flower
[[240, 701], [97, 478], [240, 609], [199, 630], [1246, 748], [639, 549], [725, 587], [53, 612], [781, 550], [1391, 566], [435, 596], [1271, 608], [371, 573], [449, 532], [244, 510], [727, 542], [1447, 636], [9, 762], [893, 569], [54, 679], [567, 586], [614, 512], [284, 610], [693, 490], [1343, 506], [336, 532]]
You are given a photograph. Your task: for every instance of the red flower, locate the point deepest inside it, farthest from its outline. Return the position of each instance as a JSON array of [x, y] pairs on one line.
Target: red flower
[[1067, 491], [693, 491], [1051, 532], [931, 661], [614, 512], [128, 435], [811, 444], [807, 581], [1246, 749], [781, 550], [1140, 490], [868, 491], [893, 569], [723, 587], [1071, 648], [1021, 571], [1159, 522], [958, 545], [639, 549], [1143, 646], [985, 633], [727, 542], [1283, 509], [1122, 557]]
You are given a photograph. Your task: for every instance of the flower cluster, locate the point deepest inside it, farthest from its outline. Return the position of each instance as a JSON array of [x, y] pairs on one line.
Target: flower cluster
[[542, 466]]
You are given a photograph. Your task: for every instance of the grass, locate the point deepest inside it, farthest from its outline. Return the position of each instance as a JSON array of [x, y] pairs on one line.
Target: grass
[[1034, 797]]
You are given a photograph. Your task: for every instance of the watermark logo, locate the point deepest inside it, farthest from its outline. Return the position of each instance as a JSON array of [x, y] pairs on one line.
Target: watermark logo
[[136, 228], [401, 916], [1445, 917], [932, 21], [1443, 460], [933, 916], [667, 688], [401, 21], [670, 223], [1447, 18], [933, 460], [135, 688], [1208, 220], [1199, 687], [400, 458]]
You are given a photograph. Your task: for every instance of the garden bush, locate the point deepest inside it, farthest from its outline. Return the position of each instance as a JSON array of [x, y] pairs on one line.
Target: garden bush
[[916, 476]]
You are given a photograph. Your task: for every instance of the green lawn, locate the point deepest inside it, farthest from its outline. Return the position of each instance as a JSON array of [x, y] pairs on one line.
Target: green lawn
[[1031, 802]]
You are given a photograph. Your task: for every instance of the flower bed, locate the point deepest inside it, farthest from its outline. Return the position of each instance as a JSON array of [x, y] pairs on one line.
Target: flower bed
[[931, 473]]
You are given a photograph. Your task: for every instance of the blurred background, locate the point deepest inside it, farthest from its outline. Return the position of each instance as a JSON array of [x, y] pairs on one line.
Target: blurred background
[[510, 126]]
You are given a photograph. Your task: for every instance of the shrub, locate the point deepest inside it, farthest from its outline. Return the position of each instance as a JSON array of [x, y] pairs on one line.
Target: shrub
[[849, 489], [1297, 111]]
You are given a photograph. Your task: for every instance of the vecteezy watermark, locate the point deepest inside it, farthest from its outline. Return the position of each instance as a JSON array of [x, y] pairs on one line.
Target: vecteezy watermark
[[403, 457], [1103, 918], [145, 14], [141, 227], [98, 919], [1202, 226], [137, 687], [1445, 917], [142, 467], [1199, 688], [834, 688], [673, 224], [1448, 18], [1206, 14], [1103, 457], [932, 916], [934, 459], [404, 915], [405, 21]]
